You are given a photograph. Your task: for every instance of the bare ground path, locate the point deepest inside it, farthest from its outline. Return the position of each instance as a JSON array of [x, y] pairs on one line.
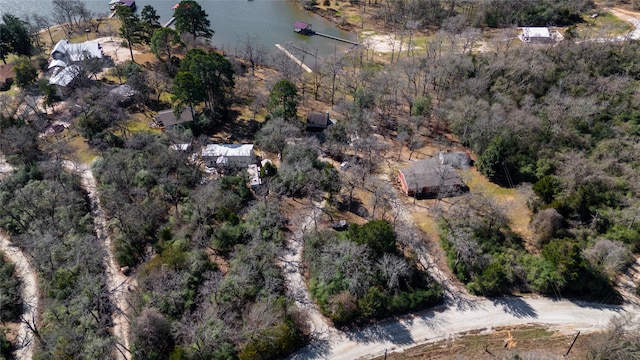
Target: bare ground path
[[30, 295], [294, 278], [446, 322], [461, 313], [26, 272], [119, 284]]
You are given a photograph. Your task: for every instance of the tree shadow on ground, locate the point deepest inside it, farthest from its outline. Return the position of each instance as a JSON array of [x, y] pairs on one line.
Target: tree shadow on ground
[[515, 306], [392, 331], [617, 307], [238, 129], [317, 349]]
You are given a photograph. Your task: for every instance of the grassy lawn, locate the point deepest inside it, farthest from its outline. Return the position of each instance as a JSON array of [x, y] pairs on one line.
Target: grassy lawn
[[139, 122], [81, 150], [514, 202]]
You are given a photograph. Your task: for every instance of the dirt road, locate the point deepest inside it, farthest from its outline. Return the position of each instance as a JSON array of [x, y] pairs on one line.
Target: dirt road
[[30, 291], [631, 17], [119, 284], [445, 322], [294, 278], [30, 295]]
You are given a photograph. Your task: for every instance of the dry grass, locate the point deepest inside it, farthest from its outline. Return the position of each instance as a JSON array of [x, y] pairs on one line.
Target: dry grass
[[513, 202], [81, 150], [140, 122], [533, 341]]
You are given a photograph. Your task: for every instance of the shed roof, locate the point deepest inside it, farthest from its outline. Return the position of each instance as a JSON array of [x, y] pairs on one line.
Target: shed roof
[[168, 117], [318, 119], [227, 150]]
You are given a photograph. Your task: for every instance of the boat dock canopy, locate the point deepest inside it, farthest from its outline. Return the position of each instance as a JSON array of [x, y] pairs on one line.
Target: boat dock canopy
[[302, 25]]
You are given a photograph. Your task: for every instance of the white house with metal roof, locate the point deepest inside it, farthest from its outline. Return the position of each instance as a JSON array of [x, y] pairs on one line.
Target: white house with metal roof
[[228, 155], [537, 35]]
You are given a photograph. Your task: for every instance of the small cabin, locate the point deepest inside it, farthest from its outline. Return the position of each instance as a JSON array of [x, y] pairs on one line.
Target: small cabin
[[317, 121], [167, 119]]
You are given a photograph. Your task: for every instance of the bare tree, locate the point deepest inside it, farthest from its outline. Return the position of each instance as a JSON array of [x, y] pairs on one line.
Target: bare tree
[[253, 52]]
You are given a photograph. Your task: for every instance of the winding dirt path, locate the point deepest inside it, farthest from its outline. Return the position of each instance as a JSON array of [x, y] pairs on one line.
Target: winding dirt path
[[119, 284], [631, 17], [30, 295], [294, 278], [30, 291]]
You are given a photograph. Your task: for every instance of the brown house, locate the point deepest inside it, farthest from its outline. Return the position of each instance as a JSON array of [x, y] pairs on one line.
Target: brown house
[[430, 178]]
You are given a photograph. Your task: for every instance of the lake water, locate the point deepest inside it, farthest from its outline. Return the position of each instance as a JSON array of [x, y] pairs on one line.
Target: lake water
[[271, 22]]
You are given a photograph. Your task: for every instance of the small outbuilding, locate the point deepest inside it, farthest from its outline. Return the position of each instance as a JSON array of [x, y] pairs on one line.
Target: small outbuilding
[[228, 155], [167, 119], [318, 121], [536, 35]]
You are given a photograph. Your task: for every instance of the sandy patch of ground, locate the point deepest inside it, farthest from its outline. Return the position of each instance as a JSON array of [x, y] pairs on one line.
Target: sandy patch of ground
[[384, 43], [112, 47]]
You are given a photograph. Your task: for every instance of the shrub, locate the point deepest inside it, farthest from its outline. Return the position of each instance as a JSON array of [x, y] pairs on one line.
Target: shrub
[[547, 188]]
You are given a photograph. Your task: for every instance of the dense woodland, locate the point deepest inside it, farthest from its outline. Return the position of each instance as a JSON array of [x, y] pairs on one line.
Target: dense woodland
[[560, 123]]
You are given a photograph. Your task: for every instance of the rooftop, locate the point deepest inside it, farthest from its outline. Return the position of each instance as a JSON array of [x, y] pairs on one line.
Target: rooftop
[[168, 117], [537, 32], [216, 150], [430, 173], [65, 76], [77, 51]]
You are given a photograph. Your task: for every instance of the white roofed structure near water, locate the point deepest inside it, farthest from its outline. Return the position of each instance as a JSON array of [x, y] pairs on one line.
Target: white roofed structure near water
[[74, 52]]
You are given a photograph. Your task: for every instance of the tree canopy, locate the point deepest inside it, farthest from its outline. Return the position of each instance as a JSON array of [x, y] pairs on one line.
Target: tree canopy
[[192, 19], [132, 29], [14, 37], [283, 99], [206, 77]]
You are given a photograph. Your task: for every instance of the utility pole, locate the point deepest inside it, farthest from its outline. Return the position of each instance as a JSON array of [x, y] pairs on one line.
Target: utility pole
[[565, 356]]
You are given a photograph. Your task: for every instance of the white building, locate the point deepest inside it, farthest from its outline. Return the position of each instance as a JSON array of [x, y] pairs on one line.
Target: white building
[[536, 35], [65, 55], [228, 155], [68, 53]]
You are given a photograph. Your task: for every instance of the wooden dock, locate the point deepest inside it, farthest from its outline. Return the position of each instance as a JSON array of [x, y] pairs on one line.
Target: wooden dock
[[336, 38], [169, 22], [295, 59]]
